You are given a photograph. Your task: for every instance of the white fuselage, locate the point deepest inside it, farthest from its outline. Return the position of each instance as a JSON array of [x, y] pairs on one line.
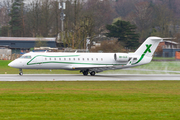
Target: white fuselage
[[75, 61], [88, 62]]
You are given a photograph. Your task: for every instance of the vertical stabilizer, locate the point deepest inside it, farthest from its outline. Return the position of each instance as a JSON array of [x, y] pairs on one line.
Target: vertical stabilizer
[[148, 47], [146, 50]]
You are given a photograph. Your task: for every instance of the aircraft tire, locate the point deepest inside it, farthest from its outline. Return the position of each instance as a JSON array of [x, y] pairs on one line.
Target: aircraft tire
[[85, 73], [93, 73], [20, 73]]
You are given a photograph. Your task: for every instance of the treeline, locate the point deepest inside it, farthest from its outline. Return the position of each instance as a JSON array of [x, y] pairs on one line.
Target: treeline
[[87, 18]]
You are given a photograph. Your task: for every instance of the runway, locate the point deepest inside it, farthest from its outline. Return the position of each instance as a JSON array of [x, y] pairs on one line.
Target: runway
[[79, 77]]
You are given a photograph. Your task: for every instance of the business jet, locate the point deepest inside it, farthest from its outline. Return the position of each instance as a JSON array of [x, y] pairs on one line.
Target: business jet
[[87, 62]]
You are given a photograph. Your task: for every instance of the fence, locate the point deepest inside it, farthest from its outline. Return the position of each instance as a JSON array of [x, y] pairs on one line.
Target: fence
[[9, 57]]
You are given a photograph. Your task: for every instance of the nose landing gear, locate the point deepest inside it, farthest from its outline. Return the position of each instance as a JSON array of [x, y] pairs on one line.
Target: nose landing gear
[[20, 72]]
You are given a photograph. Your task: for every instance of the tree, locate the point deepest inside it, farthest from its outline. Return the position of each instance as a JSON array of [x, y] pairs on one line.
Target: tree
[[102, 13], [56, 23], [4, 12], [125, 32], [109, 46], [123, 7], [40, 42], [16, 19], [33, 18], [143, 18], [46, 17], [164, 20], [4, 31]]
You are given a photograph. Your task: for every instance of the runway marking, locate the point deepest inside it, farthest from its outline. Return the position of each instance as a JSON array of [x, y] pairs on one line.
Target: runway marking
[[79, 77]]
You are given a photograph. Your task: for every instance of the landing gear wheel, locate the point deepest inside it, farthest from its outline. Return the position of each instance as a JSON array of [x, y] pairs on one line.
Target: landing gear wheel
[[85, 73], [93, 73], [20, 72]]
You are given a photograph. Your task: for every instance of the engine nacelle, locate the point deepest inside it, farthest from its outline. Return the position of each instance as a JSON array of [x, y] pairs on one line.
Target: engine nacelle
[[121, 57]]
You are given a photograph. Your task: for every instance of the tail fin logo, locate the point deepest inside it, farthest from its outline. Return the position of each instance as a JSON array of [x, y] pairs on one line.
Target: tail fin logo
[[148, 49], [142, 56]]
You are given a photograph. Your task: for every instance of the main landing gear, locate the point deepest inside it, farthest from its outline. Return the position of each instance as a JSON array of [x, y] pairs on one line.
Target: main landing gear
[[85, 72], [20, 72], [92, 73]]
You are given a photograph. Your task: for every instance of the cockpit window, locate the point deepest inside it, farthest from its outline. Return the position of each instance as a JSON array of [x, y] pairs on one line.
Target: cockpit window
[[26, 57]]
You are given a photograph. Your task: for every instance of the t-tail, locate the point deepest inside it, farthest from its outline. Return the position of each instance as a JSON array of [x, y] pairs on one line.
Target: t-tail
[[145, 52]]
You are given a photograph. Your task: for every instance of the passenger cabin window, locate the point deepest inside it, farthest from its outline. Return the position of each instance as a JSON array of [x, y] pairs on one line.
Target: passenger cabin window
[[54, 58], [96, 59], [26, 57], [69, 58], [74, 58], [59, 58], [49, 58], [45, 58]]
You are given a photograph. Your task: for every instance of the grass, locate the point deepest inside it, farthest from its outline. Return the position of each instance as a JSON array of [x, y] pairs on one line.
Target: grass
[[162, 65], [140, 100], [163, 58], [154, 65]]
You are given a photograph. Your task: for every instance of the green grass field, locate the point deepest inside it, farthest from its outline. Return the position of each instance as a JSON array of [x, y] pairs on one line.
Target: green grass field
[[154, 65], [163, 58], [140, 100], [116, 100]]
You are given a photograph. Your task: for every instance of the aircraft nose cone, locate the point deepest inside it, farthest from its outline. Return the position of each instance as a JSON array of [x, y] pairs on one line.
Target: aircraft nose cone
[[13, 64], [10, 64]]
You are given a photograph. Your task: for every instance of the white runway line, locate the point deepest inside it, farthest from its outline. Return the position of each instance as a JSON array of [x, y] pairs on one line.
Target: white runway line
[[79, 77]]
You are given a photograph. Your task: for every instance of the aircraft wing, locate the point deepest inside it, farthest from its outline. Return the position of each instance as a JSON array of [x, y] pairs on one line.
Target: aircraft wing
[[97, 68], [91, 66]]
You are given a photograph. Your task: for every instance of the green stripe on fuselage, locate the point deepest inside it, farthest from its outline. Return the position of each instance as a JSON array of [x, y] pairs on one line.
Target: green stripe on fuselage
[[65, 62], [49, 56]]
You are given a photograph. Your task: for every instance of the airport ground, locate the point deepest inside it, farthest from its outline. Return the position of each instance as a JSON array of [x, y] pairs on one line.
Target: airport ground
[[108, 100], [98, 77], [92, 100], [155, 67]]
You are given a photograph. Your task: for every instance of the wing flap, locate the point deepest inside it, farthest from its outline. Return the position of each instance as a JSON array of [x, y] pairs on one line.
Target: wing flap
[[91, 66]]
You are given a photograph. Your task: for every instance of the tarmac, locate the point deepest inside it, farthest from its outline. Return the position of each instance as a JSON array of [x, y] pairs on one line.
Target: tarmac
[[97, 77]]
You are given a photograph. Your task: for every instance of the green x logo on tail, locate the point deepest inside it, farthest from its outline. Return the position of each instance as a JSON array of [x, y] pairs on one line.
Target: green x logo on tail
[[142, 56], [148, 48]]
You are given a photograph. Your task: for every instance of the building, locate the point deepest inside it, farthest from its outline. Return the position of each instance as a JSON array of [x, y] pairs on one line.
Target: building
[[167, 48], [4, 52], [24, 44]]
